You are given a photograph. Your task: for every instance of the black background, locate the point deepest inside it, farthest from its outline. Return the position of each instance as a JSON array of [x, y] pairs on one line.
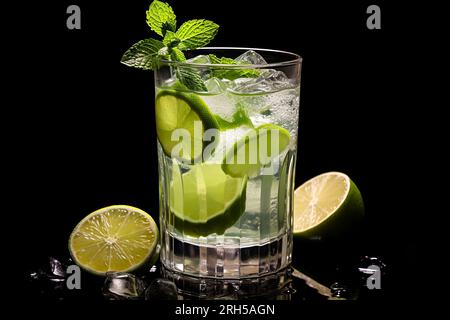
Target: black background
[[87, 122]]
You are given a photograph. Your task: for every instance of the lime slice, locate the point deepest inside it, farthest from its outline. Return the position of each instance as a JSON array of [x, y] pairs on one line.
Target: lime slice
[[205, 200], [327, 205], [244, 158], [115, 238], [181, 110]]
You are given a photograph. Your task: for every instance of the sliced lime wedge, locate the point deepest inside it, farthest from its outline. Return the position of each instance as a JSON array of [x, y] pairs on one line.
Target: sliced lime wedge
[[246, 156], [115, 238], [327, 205], [205, 200], [181, 110]]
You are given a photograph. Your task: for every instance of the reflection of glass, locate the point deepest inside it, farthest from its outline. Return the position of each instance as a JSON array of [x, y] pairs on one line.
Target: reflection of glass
[[223, 215]]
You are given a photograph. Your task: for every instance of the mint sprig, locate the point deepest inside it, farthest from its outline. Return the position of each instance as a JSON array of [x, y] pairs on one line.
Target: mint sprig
[[161, 18], [147, 54]]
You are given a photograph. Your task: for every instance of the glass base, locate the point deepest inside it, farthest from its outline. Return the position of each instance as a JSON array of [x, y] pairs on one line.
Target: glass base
[[274, 286], [224, 259]]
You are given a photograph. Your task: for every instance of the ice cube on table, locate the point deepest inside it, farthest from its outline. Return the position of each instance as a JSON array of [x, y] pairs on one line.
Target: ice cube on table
[[250, 57], [269, 80], [123, 286], [161, 289], [49, 280], [54, 271], [57, 268]]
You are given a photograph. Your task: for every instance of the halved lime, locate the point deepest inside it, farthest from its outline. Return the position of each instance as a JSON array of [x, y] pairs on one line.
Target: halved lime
[[205, 200], [246, 156], [115, 238], [176, 110], [327, 205]]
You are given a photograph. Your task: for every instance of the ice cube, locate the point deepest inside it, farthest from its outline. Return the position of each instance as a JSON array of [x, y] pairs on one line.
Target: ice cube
[[279, 107], [49, 280], [220, 103], [203, 72], [54, 270], [250, 57], [215, 86], [200, 59], [161, 289], [270, 80], [123, 286]]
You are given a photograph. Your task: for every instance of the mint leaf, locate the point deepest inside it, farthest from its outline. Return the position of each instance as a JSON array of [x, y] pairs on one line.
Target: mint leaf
[[170, 39], [191, 80], [196, 33], [163, 52], [215, 60], [177, 55], [161, 18], [143, 54], [231, 74]]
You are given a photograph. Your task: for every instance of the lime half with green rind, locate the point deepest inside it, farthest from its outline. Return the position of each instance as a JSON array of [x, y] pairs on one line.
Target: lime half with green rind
[[116, 238], [328, 205]]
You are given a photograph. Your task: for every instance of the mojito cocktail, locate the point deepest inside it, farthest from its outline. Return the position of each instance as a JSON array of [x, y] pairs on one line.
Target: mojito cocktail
[[227, 138]]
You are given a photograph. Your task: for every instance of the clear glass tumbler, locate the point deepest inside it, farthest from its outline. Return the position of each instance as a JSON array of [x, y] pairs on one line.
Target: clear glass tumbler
[[227, 141]]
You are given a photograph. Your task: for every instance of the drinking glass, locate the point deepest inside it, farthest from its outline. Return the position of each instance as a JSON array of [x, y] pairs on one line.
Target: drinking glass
[[227, 143]]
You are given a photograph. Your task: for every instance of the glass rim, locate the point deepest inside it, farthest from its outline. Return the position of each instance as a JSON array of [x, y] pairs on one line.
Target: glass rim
[[296, 59]]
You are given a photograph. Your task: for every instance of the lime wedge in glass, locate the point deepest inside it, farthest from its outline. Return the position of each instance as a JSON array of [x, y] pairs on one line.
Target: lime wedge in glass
[[327, 205], [181, 110], [115, 238], [205, 200], [244, 158]]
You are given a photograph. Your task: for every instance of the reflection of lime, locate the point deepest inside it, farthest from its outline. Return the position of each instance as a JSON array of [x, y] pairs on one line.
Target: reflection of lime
[[115, 238], [205, 200], [244, 158], [327, 205], [181, 110]]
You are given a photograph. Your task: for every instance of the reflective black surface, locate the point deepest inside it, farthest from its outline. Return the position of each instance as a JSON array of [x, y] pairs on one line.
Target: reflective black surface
[[338, 280]]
